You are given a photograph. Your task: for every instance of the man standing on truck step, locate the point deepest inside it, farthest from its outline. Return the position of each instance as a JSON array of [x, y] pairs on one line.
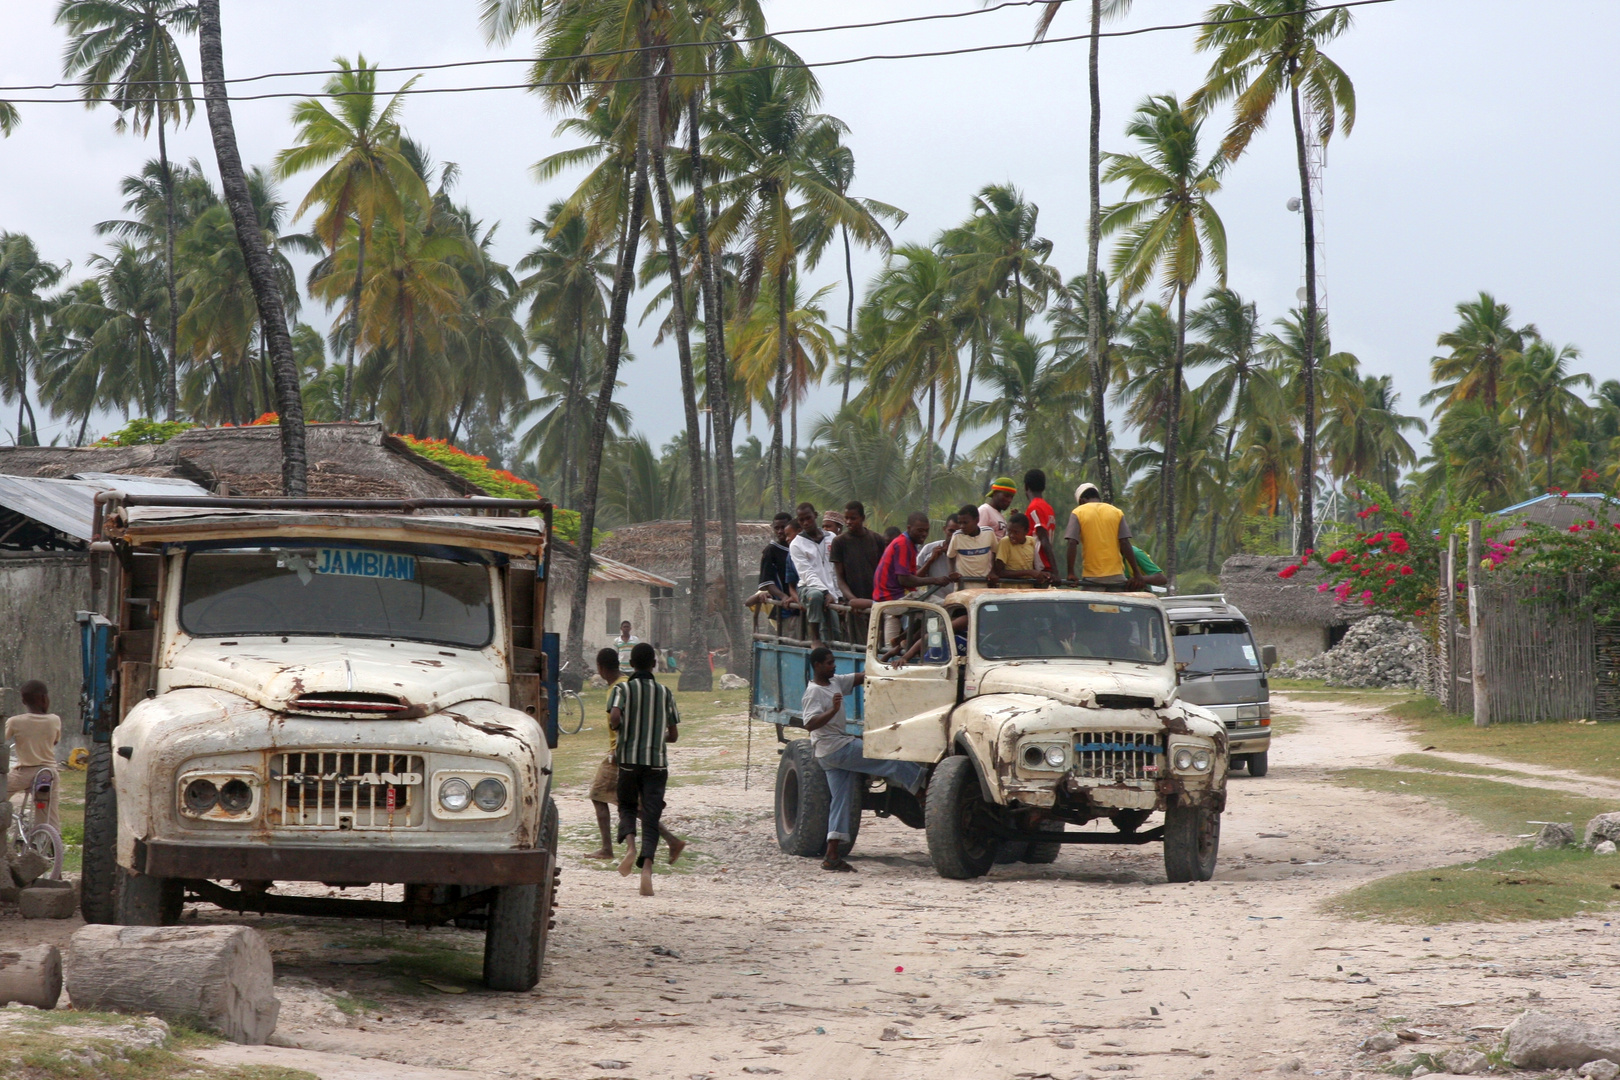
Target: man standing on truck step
[[993, 514], [642, 710], [35, 734], [840, 751], [817, 585], [1100, 530]]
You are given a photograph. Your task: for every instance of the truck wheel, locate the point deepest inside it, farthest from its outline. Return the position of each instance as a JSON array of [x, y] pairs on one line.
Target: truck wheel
[[520, 923], [802, 801], [140, 900], [1192, 838], [1258, 763], [1045, 853], [957, 844], [1010, 851], [100, 866]]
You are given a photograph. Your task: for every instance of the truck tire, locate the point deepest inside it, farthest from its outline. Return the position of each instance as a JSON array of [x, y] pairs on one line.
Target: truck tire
[[1192, 839], [1259, 764], [141, 900], [802, 801], [99, 867], [958, 847], [1010, 851], [1041, 854], [520, 923]]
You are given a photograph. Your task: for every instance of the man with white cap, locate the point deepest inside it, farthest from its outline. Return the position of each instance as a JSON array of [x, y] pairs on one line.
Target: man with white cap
[[1103, 535]]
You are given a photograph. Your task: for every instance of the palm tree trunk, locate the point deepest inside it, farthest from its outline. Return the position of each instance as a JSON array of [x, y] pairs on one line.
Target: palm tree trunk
[[781, 383], [695, 673], [1172, 433], [928, 455], [1226, 466], [717, 379], [623, 281], [849, 321], [173, 411], [793, 450], [1095, 297], [1018, 291], [266, 289], [354, 332], [967, 396], [570, 409], [1307, 465], [401, 357]]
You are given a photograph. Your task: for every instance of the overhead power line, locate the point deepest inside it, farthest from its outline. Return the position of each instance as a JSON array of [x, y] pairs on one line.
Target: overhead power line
[[542, 83]]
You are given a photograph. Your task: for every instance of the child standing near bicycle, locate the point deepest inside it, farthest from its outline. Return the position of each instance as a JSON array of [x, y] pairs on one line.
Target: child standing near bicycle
[[35, 735]]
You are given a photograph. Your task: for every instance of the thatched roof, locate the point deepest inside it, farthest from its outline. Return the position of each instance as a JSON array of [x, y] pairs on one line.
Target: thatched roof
[[1251, 582], [665, 547], [345, 461], [565, 562]]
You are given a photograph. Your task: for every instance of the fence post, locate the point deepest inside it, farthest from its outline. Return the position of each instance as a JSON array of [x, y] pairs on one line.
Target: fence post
[[1476, 631]]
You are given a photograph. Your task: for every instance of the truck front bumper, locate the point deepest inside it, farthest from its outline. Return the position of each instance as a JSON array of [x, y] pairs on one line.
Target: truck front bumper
[[288, 862]]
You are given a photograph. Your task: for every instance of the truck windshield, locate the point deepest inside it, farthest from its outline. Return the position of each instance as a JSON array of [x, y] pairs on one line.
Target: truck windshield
[[1063, 628], [1216, 647], [343, 592]]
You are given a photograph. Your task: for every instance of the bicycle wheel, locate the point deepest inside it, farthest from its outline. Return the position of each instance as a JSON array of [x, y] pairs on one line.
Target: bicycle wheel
[[46, 842], [570, 713]]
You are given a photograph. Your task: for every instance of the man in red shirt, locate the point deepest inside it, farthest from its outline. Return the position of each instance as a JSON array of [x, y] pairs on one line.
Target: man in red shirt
[[897, 570], [1042, 520]]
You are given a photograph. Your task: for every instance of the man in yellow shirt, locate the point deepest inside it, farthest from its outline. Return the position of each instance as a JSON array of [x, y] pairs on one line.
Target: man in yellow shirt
[[1015, 557], [1101, 532], [35, 734]]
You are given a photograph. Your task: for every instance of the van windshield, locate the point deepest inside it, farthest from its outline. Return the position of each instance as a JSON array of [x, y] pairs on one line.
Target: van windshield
[[342, 592], [1215, 647], [1061, 629]]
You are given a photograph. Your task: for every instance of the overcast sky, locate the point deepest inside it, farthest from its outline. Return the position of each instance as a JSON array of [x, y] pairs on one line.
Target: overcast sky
[[1482, 127]]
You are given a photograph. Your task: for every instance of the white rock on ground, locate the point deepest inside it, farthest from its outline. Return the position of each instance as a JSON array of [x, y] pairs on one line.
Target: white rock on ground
[[1601, 828], [1465, 1062], [1601, 1069], [1540, 1040], [1382, 1042], [728, 681], [1555, 834], [1378, 651], [1605, 848]]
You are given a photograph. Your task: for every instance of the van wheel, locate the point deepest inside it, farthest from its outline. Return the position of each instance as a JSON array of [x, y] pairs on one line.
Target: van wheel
[[1236, 762], [1192, 838], [802, 801], [1258, 763], [141, 900], [99, 868], [520, 922], [1045, 853], [958, 843]]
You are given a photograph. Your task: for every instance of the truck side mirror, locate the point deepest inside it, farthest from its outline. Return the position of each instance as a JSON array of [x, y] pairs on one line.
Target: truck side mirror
[[1268, 656]]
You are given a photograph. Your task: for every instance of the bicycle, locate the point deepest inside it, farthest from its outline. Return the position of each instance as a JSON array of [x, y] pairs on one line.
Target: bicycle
[[570, 709], [30, 828]]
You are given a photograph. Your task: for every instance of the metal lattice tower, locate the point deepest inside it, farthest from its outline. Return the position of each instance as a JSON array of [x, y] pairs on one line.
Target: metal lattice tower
[[1315, 162]]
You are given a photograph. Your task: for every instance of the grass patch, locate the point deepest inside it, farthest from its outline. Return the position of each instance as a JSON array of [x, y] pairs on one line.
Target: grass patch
[[1440, 764], [1516, 885], [1286, 724], [576, 757], [1587, 748], [1319, 690], [409, 962], [68, 1045], [1503, 808]]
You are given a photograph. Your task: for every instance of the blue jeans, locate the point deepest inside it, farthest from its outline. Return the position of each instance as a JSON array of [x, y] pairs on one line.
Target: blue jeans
[[842, 767]]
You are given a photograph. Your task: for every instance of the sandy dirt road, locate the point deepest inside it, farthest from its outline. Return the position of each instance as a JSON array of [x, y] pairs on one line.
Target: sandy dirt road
[[754, 963]]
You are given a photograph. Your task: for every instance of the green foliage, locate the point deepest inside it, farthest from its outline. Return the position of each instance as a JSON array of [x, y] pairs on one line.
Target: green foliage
[[1264, 535], [1516, 885], [1589, 550], [144, 432]]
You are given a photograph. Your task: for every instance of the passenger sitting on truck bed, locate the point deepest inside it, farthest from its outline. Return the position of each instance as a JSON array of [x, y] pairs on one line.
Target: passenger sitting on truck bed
[[1015, 566], [817, 585], [841, 753]]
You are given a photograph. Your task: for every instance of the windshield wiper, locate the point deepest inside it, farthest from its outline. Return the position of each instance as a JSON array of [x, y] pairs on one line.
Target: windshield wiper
[[1189, 674]]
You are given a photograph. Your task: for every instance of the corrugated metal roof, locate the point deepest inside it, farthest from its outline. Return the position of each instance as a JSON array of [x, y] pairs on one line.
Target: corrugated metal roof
[[68, 506], [613, 570]]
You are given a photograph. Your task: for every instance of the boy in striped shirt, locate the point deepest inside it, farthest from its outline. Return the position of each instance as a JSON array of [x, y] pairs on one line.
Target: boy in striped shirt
[[642, 710]]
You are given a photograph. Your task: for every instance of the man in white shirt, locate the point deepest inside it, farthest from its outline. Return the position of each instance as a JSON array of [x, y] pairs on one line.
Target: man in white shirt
[[818, 585], [624, 643], [993, 514]]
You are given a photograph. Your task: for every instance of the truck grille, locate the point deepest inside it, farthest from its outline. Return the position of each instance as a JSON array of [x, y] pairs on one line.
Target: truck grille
[[1119, 755], [346, 789]]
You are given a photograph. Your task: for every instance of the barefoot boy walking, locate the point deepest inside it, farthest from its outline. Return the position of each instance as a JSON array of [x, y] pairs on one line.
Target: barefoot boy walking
[[642, 710]]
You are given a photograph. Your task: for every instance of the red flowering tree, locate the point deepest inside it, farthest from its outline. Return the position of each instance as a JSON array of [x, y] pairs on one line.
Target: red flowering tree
[[1589, 550]]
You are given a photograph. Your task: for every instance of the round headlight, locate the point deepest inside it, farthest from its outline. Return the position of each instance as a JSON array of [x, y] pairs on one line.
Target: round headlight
[[201, 795], [489, 795], [1184, 759], [1054, 756], [235, 797], [1033, 756], [454, 794], [1201, 761]]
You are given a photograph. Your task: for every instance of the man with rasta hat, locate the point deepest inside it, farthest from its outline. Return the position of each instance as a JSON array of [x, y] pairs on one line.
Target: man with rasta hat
[[992, 515]]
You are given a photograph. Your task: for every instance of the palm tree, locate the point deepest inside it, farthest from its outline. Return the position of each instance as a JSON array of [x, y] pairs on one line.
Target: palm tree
[[107, 350], [487, 349], [261, 272], [1033, 406], [1482, 347], [1229, 329], [1265, 48], [999, 246], [811, 346], [1476, 454], [1096, 289], [126, 54], [551, 438], [409, 303], [914, 301], [23, 313], [1168, 225], [1544, 396], [367, 179], [1365, 436], [8, 118], [1072, 338]]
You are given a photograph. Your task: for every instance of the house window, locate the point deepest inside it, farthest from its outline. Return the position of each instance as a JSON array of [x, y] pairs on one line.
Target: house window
[[613, 619]]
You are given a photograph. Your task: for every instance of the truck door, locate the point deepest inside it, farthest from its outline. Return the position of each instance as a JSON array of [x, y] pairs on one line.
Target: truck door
[[911, 668]]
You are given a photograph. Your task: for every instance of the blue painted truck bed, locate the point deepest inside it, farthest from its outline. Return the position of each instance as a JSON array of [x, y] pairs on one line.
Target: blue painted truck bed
[[781, 672]]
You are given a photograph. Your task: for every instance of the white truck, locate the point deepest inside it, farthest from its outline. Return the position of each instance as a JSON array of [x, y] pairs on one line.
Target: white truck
[[1034, 709], [339, 692]]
